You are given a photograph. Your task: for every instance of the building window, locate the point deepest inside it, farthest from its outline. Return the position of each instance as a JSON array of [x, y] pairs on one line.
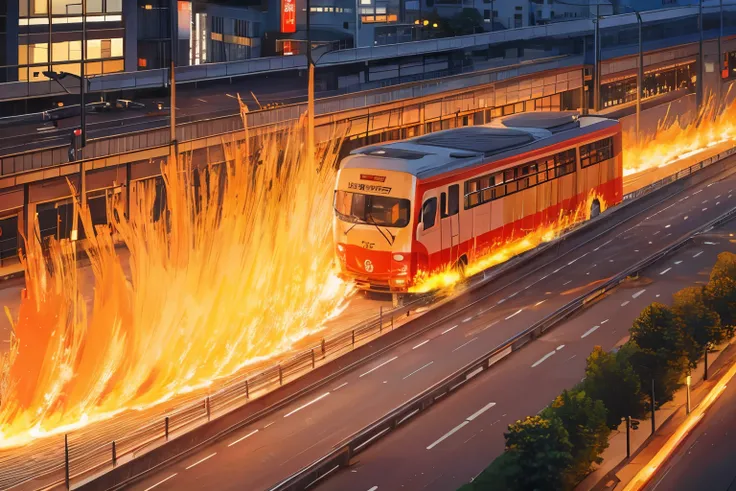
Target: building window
[[596, 152]]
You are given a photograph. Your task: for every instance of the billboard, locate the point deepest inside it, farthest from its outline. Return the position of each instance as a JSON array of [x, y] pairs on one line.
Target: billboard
[[288, 16]]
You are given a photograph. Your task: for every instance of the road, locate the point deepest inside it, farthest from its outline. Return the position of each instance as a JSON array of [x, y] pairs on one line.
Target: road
[[705, 459], [261, 454]]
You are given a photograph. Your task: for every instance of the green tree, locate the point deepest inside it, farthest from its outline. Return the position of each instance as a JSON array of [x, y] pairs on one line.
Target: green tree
[[699, 324], [468, 21], [538, 454], [721, 290], [584, 419], [610, 378], [658, 351]]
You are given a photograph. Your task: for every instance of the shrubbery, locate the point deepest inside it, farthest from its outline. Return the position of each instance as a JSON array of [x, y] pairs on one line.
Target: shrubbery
[[557, 449]]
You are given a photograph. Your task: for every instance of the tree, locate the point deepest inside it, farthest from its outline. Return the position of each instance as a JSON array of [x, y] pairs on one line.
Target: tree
[[468, 21], [538, 454], [584, 419], [699, 324], [610, 378], [721, 291], [658, 350]]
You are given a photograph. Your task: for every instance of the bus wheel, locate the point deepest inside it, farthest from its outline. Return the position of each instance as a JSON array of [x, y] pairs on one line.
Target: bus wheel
[[461, 265], [595, 208]]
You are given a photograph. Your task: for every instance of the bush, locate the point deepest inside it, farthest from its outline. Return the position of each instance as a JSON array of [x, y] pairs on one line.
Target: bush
[[721, 291], [584, 419], [493, 478], [610, 378]]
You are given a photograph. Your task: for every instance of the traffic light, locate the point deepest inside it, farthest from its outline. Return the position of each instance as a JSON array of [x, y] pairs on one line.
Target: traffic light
[[634, 424]]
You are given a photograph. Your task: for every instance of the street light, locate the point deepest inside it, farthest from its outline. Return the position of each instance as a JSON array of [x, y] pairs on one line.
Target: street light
[[688, 393]]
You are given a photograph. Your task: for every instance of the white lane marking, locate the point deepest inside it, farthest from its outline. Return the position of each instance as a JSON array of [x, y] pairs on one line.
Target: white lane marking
[[589, 332], [665, 271], [709, 243], [243, 437], [567, 283], [638, 294], [464, 344], [514, 314], [501, 301], [448, 434], [269, 424], [604, 244], [163, 481], [540, 302], [718, 203], [678, 262], [704, 209], [704, 202], [415, 371], [421, 344], [560, 347], [655, 233], [699, 253], [513, 295], [379, 366], [718, 196], [374, 487], [539, 361], [685, 217], [480, 411], [339, 386], [468, 319], [625, 304], [309, 403], [667, 226], [698, 191], [450, 329], [603, 322], [200, 461]]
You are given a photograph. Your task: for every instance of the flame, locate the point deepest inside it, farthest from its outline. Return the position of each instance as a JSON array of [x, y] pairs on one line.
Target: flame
[[235, 272], [502, 252], [676, 142]]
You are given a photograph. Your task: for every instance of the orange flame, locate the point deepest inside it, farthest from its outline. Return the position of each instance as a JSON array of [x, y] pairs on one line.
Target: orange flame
[[232, 274]]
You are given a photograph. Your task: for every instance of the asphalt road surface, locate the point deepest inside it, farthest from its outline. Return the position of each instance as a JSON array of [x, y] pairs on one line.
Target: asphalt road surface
[[262, 454], [705, 459]]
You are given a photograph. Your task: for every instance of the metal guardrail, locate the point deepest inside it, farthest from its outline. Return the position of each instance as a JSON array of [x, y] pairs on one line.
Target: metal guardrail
[[341, 455]]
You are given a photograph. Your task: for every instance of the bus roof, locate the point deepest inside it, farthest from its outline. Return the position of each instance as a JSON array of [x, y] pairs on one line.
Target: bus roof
[[436, 153]]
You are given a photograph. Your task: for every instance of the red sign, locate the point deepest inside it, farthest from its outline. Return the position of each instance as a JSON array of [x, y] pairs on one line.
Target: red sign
[[288, 16], [368, 177]]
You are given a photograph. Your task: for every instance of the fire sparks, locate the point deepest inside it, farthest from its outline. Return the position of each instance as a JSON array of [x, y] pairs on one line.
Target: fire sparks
[[502, 252], [238, 268]]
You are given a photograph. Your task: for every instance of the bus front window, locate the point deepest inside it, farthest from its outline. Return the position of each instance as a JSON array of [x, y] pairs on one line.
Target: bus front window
[[379, 210]]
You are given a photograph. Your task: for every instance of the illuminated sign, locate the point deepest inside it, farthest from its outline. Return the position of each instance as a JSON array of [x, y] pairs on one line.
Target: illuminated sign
[[288, 16], [368, 177], [371, 188]]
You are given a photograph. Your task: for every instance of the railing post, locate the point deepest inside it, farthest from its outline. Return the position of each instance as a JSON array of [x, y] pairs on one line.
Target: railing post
[[247, 394], [166, 427], [207, 407], [323, 348], [353, 336], [114, 454], [312, 358], [66, 461], [281, 375]]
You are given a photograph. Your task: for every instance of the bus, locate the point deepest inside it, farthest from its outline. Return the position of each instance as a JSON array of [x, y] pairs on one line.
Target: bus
[[407, 209]]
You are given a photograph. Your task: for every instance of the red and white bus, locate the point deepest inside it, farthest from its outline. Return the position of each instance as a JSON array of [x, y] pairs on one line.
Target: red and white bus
[[422, 205]]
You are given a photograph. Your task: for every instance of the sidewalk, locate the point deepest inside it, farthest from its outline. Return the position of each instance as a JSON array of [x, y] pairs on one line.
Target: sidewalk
[[615, 471]]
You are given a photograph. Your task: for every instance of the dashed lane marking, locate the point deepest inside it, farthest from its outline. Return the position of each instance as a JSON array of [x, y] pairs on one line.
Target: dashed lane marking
[[665, 271], [625, 304], [542, 359], [162, 481], [461, 425], [317, 399], [421, 344], [243, 437], [369, 371], [415, 371], [589, 332], [696, 255], [202, 460], [450, 329], [339, 386], [638, 294], [514, 314], [464, 344]]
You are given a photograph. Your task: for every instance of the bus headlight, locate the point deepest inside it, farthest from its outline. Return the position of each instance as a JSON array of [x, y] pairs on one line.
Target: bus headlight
[[398, 257]]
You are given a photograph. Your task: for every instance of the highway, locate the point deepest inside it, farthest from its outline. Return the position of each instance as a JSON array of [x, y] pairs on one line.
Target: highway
[[263, 453], [705, 459]]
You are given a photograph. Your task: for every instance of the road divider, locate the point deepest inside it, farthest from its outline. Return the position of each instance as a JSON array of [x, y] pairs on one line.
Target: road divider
[[343, 453]]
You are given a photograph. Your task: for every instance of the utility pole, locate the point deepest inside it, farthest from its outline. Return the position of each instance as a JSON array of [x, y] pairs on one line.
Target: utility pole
[[310, 88], [174, 147], [628, 437], [701, 71], [654, 425], [639, 80], [597, 61]]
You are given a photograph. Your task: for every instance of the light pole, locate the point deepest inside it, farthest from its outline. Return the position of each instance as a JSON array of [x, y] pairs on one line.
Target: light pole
[[172, 82], [688, 393], [639, 80], [310, 87]]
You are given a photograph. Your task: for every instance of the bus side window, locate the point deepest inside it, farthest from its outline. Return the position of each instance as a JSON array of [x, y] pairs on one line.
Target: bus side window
[[453, 205], [443, 206], [429, 213]]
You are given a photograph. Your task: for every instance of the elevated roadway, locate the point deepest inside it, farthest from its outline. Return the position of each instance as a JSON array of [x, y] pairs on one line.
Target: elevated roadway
[[263, 453]]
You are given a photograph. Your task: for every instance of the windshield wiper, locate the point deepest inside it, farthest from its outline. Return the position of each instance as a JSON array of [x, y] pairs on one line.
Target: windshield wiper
[[373, 222]]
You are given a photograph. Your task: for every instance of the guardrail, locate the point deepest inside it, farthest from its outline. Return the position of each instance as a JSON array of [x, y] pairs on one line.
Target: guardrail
[[343, 453]]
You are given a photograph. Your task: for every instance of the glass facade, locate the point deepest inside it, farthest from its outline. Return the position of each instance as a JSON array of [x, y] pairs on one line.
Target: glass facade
[[655, 83]]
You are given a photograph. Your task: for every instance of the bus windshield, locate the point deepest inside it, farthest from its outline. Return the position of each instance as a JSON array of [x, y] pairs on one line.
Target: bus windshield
[[375, 210]]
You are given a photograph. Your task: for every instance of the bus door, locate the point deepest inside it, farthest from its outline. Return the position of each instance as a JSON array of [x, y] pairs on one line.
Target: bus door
[[450, 223]]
